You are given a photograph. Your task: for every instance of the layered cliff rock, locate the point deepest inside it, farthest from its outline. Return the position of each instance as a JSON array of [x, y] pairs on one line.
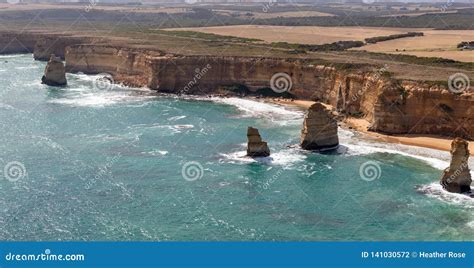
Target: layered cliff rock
[[12, 43], [390, 106], [128, 66], [54, 73], [319, 129], [46, 45], [457, 177], [419, 109], [256, 147]]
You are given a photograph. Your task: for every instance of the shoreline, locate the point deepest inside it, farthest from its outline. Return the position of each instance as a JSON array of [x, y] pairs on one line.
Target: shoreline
[[361, 125]]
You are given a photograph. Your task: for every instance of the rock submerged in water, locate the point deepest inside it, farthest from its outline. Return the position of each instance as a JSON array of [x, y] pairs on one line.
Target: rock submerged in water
[[457, 177], [319, 129], [54, 73], [255, 146]]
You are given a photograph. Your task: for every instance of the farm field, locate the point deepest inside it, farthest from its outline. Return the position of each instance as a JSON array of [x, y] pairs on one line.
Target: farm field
[[314, 35], [433, 44], [267, 15]]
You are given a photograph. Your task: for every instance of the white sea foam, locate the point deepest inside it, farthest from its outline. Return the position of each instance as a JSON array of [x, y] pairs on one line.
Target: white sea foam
[[470, 224], [285, 158], [81, 92], [175, 118], [255, 108], [79, 96], [360, 146], [27, 67], [436, 190], [156, 152], [11, 56]]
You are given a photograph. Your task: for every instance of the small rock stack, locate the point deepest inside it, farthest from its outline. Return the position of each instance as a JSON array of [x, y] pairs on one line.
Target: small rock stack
[[319, 129], [457, 177], [255, 146], [54, 73]]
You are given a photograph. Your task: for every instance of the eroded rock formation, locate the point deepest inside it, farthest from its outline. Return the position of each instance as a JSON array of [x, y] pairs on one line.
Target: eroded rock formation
[[255, 146], [389, 105], [54, 73], [457, 177], [319, 129]]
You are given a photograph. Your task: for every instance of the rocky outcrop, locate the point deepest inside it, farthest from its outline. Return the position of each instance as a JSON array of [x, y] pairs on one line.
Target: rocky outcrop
[[255, 146], [319, 129], [54, 73], [457, 177]]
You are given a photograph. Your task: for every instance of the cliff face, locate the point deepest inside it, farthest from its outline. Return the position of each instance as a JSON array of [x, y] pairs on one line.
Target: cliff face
[[51, 44], [390, 106], [11, 43], [128, 66], [418, 109]]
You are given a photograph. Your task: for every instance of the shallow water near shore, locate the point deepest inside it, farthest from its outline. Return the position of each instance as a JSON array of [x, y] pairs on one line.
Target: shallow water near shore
[[117, 163]]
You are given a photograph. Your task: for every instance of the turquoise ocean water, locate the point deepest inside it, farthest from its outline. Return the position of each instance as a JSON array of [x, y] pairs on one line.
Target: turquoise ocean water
[[94, 161]]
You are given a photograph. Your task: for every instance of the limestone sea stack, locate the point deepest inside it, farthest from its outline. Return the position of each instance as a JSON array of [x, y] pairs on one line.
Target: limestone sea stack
[[54, 73], [319, 129], [256, 147], [457, 177]]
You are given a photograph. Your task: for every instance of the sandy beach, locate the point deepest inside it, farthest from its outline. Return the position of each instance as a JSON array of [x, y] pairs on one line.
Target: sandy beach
[[361, 125]]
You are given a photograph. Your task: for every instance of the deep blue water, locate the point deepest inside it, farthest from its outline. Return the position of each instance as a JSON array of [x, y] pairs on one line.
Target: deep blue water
[[93, 161]]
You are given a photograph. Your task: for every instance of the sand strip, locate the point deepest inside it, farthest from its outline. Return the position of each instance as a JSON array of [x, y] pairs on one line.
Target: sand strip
[[361, 125]]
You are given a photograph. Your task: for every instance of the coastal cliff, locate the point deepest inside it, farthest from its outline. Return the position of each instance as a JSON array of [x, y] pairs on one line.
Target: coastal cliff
[[128, 66], [391, 106]]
